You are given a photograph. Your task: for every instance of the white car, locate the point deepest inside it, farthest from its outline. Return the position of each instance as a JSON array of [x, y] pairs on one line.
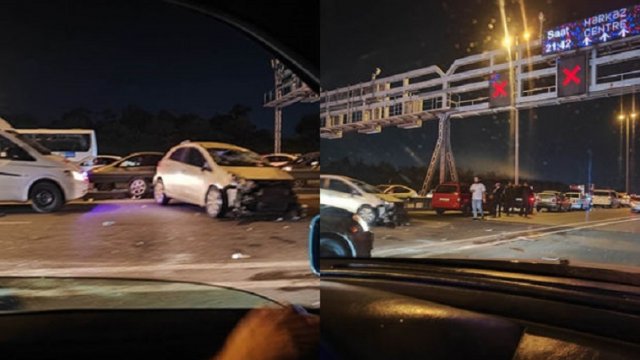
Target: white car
[[578, 201], [634, 203], [223, 178], [279, 159], [358, 197], [28, 171], [399, 191], [92, 163], [605, 198]]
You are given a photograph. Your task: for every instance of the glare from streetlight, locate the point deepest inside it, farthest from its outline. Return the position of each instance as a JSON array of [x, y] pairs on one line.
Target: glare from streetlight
[[506, 42], [621, 117], [526, 36], [633, 115]]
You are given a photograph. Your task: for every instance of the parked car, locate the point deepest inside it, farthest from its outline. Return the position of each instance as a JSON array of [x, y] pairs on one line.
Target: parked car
[[224, 178], [579, 201], [29, 172], [624, 199], [91, 163], [451, 196], [132, 175], [279, 159], [399, 191], [634, 203], [605, 198], [343, 234], [305, 170], [361, 198], [552, 201]]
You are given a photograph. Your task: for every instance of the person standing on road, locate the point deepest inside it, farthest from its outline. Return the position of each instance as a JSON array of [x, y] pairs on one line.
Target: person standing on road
[[525, 209], [498, 198], [508, 198], [478, 197]]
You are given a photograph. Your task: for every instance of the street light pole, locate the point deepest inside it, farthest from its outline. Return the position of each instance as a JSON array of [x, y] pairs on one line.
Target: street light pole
[[626, 187]]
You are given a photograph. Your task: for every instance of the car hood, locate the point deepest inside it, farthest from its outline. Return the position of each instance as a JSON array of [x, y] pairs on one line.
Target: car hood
[[39, 294], [258, 173], [58, 161]]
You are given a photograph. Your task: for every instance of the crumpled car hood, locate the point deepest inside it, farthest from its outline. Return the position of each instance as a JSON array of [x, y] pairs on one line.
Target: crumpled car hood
[[258, 173]]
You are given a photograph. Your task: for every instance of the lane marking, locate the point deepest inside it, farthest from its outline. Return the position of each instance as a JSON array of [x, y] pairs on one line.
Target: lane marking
[[276, 265], [14, 222], [534, 236], [395, 251]]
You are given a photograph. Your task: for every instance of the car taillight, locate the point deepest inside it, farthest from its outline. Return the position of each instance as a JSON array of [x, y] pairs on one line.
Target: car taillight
[[459, 199], [354, 229]]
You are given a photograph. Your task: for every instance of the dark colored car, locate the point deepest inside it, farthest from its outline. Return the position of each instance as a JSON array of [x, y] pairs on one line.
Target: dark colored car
[[451, 196], [305, 170], [343, 234], [132, 174]]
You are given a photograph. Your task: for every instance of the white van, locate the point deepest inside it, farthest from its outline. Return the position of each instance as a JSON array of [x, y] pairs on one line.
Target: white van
[[28, 171], [76, 145]]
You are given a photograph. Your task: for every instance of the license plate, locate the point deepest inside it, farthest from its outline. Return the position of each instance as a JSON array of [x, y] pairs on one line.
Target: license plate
[[444, 199], [518, 199]]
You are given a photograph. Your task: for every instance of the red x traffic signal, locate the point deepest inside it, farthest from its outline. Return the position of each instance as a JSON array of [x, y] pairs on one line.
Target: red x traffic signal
[[572, 75], [499, 90]]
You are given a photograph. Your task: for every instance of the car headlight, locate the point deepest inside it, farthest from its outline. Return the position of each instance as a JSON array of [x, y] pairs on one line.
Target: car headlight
[[287, 168], [79, 176]]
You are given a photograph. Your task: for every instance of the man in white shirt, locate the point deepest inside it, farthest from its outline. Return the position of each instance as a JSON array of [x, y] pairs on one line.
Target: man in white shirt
[[478, 196]]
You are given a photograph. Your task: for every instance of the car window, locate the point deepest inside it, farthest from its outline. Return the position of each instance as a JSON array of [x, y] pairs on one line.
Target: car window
[[339, 186], [195, 158], [400, 190], [446, 189], [11, 151], [179, 154]]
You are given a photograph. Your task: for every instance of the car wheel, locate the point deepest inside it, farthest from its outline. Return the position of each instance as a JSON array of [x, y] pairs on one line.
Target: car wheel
[[368, 214], [46, 197], [159, 195], [439, 211], [215, 203], [330, 247], [138, 188]]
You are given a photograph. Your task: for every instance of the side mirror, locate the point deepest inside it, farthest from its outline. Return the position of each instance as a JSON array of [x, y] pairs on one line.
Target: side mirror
[[206, 167]]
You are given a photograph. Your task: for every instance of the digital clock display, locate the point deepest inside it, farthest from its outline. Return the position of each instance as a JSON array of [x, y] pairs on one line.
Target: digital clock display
[[617, 24]]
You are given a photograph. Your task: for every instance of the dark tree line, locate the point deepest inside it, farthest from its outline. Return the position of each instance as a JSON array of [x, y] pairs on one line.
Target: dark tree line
[[135, 129]]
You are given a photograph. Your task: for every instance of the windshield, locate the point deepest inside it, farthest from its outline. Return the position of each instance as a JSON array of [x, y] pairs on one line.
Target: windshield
[[135, 80], [500, 91], [233, 157], [366, 187], [34, 144]]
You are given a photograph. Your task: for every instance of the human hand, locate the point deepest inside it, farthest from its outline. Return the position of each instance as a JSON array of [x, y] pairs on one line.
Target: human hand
[[272, 334]]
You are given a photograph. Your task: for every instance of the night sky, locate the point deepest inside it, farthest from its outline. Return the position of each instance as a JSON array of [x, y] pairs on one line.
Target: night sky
[[61, 55], [402, 35]]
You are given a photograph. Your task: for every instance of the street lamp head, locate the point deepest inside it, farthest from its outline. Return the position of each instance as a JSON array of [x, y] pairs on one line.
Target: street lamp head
[[526, 36], [633, 115], [621, 117]]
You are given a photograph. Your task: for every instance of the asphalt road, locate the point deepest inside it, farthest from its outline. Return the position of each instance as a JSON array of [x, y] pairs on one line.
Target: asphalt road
[[600, 236], [139, 239]]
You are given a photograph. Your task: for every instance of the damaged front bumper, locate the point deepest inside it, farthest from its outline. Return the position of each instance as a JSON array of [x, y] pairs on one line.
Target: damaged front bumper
[[265, 197]]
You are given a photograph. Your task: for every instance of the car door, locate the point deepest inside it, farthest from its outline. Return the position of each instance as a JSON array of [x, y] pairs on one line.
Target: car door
[[194, 176], [15, 169], [342, 195], [171, 171]]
